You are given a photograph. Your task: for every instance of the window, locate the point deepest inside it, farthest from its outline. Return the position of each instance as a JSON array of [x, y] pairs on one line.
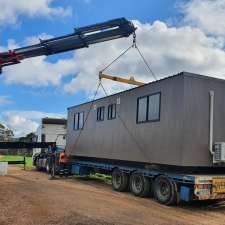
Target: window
[[43, 138], [78, 121], [148, 108], [100, 113], [111, 111], [154, 107], [142, 109], [81, 120]]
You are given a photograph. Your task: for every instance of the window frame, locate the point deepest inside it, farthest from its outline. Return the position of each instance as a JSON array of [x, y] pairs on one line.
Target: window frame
[[100, 108], [74, 121], [147, 110], [110, 117], [137, 113], [78, 127], [81, 128]]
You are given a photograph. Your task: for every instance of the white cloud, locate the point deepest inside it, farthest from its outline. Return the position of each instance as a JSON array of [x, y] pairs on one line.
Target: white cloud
[[209, 15], [11, 44], [11, 10], [169, 49], [36, 39], [4, 100], [37, 72], [24, 122]]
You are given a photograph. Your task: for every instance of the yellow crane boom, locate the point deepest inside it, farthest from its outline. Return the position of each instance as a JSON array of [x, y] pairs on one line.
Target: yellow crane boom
[[119, 79]]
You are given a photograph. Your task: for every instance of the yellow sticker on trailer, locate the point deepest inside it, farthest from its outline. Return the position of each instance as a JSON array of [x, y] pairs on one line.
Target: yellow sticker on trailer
[[218, 185]]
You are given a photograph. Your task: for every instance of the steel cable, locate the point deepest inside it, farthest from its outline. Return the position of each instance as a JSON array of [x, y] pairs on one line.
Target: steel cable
[[125, 126], [134, 45], [145, 62], [124, 52], [92, 102]]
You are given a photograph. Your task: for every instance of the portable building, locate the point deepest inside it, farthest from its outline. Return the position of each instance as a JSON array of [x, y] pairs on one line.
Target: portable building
[[171, 121]]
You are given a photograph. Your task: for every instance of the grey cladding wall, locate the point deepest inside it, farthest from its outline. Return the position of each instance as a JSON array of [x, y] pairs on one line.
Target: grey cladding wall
[[179, 137]]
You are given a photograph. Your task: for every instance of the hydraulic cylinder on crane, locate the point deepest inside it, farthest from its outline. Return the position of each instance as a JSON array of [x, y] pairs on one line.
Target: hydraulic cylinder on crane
[[81, 38]]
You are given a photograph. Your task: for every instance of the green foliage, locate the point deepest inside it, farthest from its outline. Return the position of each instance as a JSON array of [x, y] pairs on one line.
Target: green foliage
[[103, 177], [96, 176]]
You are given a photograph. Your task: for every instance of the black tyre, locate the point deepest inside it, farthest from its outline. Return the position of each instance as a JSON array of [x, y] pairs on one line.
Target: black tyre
[[165, 190], [38, 165], [140, 185], [48, 168], [120, 180]]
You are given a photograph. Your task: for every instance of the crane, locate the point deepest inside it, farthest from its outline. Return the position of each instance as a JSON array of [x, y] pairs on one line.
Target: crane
[[120, 79], [81, 37]]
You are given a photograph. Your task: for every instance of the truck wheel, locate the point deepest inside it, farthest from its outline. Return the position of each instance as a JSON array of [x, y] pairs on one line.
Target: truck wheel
[[120, 180], [38, 168], [139, 185], [48, 169], [164, 190]]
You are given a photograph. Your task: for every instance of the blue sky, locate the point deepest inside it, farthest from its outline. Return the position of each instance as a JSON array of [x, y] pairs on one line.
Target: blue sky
[[174, 36], [83, 13]]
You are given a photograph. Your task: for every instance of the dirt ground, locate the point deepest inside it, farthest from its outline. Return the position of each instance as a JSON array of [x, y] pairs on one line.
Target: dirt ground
[[29, 198]]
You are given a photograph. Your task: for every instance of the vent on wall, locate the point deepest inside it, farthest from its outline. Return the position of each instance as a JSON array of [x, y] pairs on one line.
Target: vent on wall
[[219, 152]]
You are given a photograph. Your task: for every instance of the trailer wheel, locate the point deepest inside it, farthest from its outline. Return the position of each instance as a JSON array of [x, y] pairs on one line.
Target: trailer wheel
[[140, 185], [120, 180], [164, 190]]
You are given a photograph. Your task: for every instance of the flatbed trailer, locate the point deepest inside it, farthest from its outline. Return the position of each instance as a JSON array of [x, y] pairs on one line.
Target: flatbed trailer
[[165, 138], [167, 187]]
